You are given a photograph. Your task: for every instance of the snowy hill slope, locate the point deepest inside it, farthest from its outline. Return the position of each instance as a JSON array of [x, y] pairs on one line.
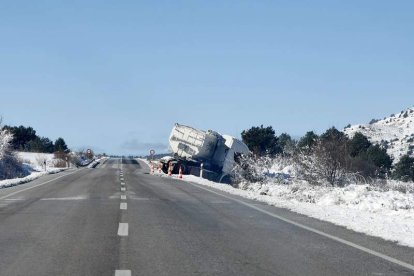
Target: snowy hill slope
[[395, 133]]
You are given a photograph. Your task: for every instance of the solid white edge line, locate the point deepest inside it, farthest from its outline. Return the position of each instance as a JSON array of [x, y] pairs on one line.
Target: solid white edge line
[[351, 244], [38, 185], [123, 206], [123, 229], [122, 272]]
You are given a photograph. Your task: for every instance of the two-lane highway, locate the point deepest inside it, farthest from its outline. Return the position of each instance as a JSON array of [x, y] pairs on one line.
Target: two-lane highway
[[118, 219]]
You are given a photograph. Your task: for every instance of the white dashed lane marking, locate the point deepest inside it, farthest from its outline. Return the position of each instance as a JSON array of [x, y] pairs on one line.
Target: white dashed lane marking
[[13, 199], [122, 272], [65, 198], [123, 229]]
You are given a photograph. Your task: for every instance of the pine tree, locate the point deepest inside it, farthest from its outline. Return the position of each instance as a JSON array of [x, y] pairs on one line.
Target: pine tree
[[286, 143], [333, 134], [380, 158], [21, 136], [261, 140], [60, 145], [308, 141], [404, 169], [358, 144]]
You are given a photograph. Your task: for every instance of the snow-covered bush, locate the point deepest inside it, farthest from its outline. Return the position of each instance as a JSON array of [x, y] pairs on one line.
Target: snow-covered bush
[[248, 170], [251, 170], [10, 167], [327, 163], [5, 142], [393, 185]]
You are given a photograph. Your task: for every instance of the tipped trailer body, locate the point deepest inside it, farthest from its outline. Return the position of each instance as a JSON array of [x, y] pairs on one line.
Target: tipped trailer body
[[210, 151]]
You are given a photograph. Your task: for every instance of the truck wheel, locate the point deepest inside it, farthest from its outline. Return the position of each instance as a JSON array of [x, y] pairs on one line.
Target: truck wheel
[[226, 179]]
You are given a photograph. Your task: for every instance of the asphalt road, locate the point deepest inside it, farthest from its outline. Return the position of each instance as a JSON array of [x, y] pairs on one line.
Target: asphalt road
[[117, 219]]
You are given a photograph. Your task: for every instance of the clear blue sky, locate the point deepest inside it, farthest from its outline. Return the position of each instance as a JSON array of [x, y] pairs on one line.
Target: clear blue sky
[[116, 75]]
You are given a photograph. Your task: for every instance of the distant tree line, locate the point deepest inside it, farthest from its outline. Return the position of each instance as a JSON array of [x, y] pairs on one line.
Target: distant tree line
[[331, 157], [26, 139]]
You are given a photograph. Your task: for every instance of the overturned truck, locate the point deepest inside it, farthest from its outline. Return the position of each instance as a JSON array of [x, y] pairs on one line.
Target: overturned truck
[[205, 153]]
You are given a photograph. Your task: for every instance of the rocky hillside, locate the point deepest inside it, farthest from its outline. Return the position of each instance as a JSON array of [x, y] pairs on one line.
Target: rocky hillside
[[395, 133]]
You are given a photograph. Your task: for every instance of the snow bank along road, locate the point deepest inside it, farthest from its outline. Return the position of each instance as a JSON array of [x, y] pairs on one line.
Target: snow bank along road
[[119, 220]]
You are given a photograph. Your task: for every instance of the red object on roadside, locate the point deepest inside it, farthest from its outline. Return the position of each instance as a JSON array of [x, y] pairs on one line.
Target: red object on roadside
[[180, 173], [170, 169]]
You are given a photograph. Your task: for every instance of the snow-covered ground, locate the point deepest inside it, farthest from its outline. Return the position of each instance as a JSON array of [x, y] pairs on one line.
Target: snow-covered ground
[[33, 164], [35, 160], [32, 176], [385, 211]]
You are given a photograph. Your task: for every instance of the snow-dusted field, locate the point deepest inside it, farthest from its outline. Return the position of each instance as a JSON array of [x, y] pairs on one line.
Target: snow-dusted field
[[35, 160]]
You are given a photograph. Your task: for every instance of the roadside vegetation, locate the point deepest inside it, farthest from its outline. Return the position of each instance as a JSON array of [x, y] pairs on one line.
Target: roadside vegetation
[[19, 140], [330, 159], [10, 166], [350, 182]]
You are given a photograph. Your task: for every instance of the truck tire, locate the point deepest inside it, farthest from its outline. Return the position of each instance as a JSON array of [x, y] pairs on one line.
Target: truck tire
[[225, 178]]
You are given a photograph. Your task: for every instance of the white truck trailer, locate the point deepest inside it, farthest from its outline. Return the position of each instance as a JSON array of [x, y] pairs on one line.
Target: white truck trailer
[[210, 151]]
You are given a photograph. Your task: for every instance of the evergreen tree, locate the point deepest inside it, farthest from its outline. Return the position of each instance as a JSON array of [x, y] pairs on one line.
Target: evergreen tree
[[404, 169], [47, 145], [25, 139], [379, 157], [261, 140], [35, 145], [358, 144], [60, 145], [333, 134], [308, 141], [367, 159], [286, 143], [21, 136], [42, 144]]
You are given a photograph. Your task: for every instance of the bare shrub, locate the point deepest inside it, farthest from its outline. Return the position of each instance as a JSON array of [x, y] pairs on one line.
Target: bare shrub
[[248, 169], [327, 163], [59, 163], [60, 159]]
